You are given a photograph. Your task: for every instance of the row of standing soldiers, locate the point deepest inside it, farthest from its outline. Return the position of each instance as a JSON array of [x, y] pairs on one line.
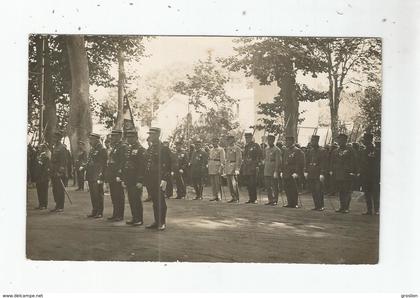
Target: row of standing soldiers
[[284, 167], [127, 165]]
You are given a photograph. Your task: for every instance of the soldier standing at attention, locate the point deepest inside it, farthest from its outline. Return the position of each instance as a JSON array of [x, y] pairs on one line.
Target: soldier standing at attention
[[158, 170], [133, 173], [215, 166], [58, 171], [342, 171], [232, 167], [293, 164], [198, 169], [95, 168], [116, 160], [272, 163], [315, 168], [81, 160], [367, 168], [41, 175], [250, 166], [180, 165]]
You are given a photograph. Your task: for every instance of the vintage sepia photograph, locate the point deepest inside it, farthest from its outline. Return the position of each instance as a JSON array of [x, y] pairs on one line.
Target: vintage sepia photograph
[[233, 149]]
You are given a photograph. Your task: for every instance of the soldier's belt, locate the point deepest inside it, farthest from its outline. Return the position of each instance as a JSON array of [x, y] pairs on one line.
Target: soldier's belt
[[215, 159]]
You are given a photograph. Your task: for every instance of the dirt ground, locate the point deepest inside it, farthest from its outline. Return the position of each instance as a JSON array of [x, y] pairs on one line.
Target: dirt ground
[[203, 231]]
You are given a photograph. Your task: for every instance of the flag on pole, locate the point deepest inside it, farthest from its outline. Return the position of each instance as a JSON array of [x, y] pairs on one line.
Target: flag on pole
[[128, 123]]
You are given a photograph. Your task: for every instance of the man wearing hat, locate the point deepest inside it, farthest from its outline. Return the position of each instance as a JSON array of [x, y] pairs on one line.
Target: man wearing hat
[[58, 171], [81, 160], [95, 169], [315, 169], [40, 175], [133, 175], [158, 169], [251, 161], [292, 168], [198, 162], [272, 163], [215, 167], [116, 160], [342, 170], [180, 165], [232, 167], [368, 173]]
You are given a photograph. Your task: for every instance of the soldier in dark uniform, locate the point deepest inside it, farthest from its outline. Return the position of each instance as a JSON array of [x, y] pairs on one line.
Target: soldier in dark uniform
[[169, 192], [272, 161], [367, 171], [343, 170], [199, 160], [133, 173], [292, 167], [252, 157], [58, 171], [315, 168], [95, 169], [116, 160], [158, 170], [180, 165], [41, 175], [81, 160]]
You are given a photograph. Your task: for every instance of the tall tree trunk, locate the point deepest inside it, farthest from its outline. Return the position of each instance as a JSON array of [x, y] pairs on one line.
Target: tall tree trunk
[[80, 121], [288, 93], [49, 108], [334, 92], [121, 81]]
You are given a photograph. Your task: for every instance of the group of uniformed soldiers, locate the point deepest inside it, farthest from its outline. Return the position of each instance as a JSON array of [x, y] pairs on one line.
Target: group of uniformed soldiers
[[128, 165]]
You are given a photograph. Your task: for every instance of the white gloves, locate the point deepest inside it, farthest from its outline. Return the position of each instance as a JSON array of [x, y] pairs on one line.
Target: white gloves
[[163, 185], [181, 171], [236, 172], [81, 169], [118, 179], [139, 185], [295, 176], [306, 175], [99, 181], [321, 178], [275, 176]]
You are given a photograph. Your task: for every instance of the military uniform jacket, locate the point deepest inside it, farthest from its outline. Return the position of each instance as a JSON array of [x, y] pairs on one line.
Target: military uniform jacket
[[158, 163], [216, 160], [198, 162], [368, 164], [116, 160], [41, 166], [252, 158], [96, 163], [293, 161], [342, 164], [233, 160], [81, 159], [316, 162], [272, 160], [131, 158], [180, 161], [59, 161]]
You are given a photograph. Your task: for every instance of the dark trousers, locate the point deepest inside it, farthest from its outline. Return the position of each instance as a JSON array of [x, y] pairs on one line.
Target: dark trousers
[[251, 183], [291, 189], [134, 198], [317, 190], [272, 187], [42, 191], [344, 193], [117, 197], [181, 190], [58, 191], [97, 197], [372, 194], [159, 203], [169, 191], [198, 184], [80, 179]]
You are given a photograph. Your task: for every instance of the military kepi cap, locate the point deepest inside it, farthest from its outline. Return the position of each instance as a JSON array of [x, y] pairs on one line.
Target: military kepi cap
[[130, 133], [315, 137], [342, 136], [154, 130], [271, 136], [290, 137], [368, 136], [59, 133], [248, 132], [94, 135], [116, 132]]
